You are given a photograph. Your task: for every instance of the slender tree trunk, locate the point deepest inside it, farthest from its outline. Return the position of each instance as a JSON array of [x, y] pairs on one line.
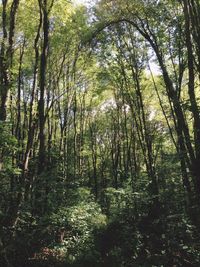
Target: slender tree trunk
[[42, 83], [6, 53]]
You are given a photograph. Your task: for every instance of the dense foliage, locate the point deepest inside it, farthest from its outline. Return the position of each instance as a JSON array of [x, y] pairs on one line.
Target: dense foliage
[[99, 133]]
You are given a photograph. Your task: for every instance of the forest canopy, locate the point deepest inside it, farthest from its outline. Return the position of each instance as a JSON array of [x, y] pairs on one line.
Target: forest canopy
[[99, 133]]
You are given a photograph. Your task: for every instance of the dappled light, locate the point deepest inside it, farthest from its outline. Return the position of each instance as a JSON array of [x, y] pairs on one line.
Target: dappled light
[[99, 133]]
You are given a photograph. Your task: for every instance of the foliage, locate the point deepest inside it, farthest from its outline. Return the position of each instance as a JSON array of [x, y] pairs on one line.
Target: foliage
[[99, 133]]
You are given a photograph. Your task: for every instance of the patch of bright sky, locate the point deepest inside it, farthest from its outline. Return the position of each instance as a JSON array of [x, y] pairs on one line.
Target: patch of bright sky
[[154, 68], [81, 2]]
